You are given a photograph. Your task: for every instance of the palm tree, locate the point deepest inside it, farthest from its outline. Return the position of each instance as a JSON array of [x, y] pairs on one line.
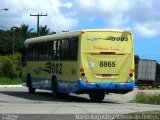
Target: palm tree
[[19, 35], [44, 30], [25, 31]]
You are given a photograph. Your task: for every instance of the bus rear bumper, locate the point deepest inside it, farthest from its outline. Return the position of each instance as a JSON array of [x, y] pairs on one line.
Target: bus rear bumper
[[110, 87]]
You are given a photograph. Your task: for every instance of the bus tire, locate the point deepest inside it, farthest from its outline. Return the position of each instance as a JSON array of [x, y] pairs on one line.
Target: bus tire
[[29, 84], [55, 87], [96, 96]]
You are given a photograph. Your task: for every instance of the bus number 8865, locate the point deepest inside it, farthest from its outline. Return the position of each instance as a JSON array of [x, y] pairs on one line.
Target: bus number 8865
[[107, 64]]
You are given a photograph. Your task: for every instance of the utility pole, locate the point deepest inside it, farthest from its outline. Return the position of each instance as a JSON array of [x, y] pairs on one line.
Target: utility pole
[[38, 15], [13, 40]]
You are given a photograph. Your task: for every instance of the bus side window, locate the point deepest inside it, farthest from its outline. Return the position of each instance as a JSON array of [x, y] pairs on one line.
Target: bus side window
[[34, 52], [37, 57], [44, 51], [67, 49], [40, 52], [70, 49], [63, 49], [30, 52], [58, 47], [24, 57], [49, 50], [54, 50], [74, 48]]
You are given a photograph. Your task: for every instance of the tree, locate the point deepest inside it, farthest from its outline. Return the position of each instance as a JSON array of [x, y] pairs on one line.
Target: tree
[[136, 59], [20, 35], [136, 62], [5, 42], [44, 30], [25, 31], [16, 36], [158, 73]]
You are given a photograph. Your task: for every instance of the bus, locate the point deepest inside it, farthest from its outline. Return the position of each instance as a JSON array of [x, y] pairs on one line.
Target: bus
[[91, 61]]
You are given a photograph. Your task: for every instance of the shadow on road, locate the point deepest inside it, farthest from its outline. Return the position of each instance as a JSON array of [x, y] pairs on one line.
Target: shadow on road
[[47, 96]]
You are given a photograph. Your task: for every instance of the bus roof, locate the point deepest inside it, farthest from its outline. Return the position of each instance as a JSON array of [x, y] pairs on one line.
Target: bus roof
[[65, 34], [51, 37]]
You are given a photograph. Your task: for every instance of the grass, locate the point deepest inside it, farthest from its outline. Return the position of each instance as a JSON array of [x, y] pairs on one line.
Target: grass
[[146, 98], [155, 88], [9, 81]]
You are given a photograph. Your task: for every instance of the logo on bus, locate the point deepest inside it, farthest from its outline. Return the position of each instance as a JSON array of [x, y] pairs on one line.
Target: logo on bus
[[55, 68], [110, 38]]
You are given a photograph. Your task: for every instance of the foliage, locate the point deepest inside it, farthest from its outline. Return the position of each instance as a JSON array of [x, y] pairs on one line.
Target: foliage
[[136, 59], [15, 35], [8, 81], [5, 42], [147, 98], [18, 35], [158, 73], [10, 66], [44, 30], [25, 31]]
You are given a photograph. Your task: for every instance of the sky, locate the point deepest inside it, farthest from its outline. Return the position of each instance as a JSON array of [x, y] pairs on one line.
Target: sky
[[141, 17]]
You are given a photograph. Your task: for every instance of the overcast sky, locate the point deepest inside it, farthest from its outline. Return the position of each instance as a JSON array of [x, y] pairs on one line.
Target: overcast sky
[[139, 16]]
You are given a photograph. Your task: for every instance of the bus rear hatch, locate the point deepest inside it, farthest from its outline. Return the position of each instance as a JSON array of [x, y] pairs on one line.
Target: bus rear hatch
[[107, 55]]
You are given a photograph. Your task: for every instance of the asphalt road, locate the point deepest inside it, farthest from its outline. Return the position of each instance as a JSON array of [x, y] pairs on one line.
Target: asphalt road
[[18, 103]]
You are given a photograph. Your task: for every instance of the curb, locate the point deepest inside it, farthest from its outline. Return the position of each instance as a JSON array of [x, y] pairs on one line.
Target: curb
[[9, 86]]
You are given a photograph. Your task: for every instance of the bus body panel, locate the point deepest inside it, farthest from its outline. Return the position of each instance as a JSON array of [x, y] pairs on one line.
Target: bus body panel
[[42, 72], [106, 57]]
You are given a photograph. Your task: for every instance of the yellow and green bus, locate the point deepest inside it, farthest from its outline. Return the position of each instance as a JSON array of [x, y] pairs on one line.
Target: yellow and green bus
[[94, 62]]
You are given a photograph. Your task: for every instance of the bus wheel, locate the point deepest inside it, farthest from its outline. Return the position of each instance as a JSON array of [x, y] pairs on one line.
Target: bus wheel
[[54, 87], [55, 91], [96, 97], [29, 85]]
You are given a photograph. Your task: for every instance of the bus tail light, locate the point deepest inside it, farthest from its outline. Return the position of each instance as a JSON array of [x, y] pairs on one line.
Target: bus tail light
[[81, 70], [131, 72]]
